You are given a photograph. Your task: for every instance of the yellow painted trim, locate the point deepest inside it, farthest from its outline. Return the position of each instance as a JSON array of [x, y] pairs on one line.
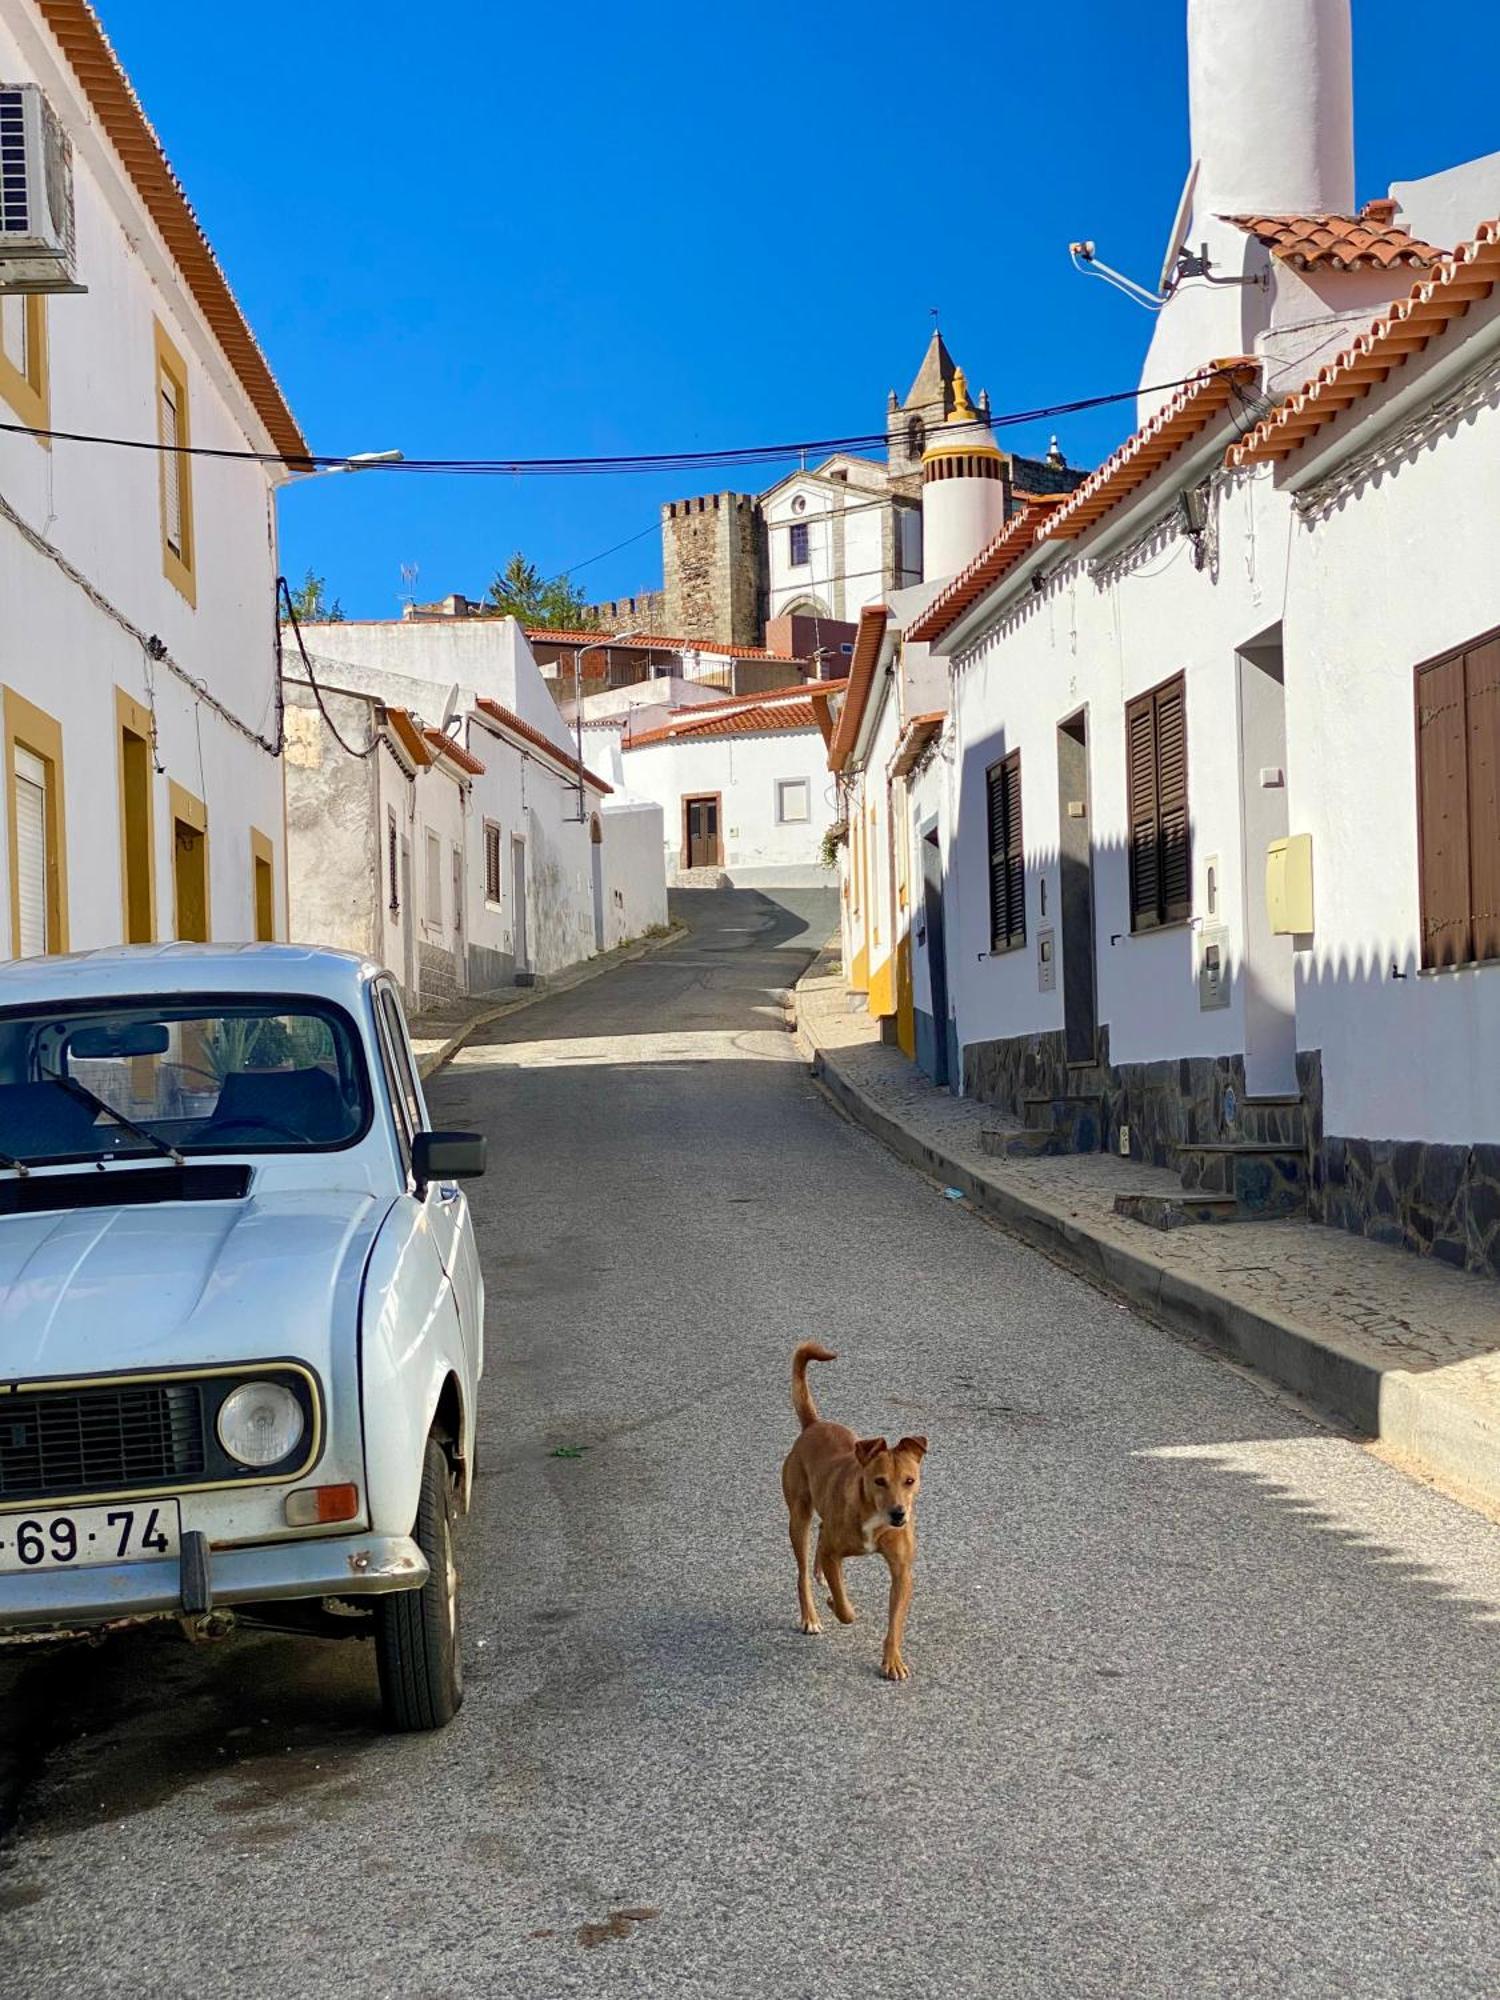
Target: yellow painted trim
[[180, 570], [248, 1369], [859, 970], [882, 988], [133, 718], [906, 1011], [34, 730], [262, 855], [193, 814], [30, 395]]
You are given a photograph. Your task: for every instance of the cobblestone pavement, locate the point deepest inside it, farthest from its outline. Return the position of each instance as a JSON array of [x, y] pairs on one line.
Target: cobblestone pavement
[[1396, 1312]]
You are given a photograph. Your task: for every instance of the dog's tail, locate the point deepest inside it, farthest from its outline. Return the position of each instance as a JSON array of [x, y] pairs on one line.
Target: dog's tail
[[802, 1402]]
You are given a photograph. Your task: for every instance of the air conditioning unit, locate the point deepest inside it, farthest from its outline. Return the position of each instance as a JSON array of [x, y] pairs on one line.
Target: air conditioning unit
[[36, 194]]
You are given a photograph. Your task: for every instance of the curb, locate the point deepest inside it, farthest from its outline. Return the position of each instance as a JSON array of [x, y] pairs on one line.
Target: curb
[[1433, 1430], [591, 968]]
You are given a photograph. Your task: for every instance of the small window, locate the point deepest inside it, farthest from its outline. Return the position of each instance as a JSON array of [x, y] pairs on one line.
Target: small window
[[33, 781], [179, 554], [793, 802], [23, 356], [393, 863], [493, 881], [434, 907], [31, 796], [797, 539], [1007, 855], [1161, 858]]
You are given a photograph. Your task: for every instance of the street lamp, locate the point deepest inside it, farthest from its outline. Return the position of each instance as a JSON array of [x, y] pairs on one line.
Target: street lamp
[[594, 646], [359, 461]]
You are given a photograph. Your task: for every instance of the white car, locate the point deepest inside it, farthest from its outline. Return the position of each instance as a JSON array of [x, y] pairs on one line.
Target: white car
[[241, 1309]]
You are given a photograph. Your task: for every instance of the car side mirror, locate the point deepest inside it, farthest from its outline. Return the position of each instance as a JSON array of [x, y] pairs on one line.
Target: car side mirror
[[447, 1156]]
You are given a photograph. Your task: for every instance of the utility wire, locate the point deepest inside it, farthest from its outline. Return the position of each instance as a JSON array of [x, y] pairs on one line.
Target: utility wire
[[679, 461], [283, 592]]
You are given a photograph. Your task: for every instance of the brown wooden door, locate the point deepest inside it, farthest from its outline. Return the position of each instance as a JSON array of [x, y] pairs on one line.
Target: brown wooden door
[[703, 832]]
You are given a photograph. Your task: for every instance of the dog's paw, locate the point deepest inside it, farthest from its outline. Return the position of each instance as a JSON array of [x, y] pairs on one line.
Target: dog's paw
[[894, 1668], [845, 1617], [811, 1626]]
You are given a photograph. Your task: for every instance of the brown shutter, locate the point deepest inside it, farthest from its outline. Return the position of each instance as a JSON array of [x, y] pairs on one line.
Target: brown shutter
[[1482, 689], [1015, 853], [995, 814], [1140, 774], [1175, 848], [1442, 803]]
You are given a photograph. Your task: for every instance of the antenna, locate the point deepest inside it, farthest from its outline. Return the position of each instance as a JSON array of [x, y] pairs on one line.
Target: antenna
[[409, 582], [1166, 284]]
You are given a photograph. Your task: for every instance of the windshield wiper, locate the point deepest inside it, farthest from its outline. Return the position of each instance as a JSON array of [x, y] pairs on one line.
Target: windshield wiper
[[9, 1160], [81, 1090]]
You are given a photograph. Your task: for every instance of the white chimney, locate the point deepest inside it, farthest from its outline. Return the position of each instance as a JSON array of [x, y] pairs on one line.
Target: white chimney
[[1271, 100]]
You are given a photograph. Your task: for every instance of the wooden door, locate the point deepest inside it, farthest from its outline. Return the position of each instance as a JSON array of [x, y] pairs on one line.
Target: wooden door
[[703, 832]]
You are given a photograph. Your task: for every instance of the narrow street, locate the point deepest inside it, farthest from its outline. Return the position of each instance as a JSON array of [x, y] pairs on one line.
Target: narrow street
[[1204, 1696]]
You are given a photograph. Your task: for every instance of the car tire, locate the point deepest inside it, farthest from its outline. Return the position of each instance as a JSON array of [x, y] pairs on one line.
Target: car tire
[[417, 1637]]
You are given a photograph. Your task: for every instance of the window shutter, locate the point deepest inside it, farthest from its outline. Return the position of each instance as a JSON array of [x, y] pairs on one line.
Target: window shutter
[[1174, 839], [31, 851], [1482, 689], [491, 862], [1015, 853], [1442, 804], [995, 782], [1140, 774]]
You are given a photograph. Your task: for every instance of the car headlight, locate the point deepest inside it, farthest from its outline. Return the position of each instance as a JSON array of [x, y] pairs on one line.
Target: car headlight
[[260, 1423]]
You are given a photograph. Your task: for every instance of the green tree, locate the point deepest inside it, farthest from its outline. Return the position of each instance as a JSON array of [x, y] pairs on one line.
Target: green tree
[[312, 604], [554, 604]]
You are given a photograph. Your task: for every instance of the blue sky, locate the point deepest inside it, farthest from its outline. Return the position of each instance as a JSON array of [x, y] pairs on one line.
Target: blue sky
[[492, 230]]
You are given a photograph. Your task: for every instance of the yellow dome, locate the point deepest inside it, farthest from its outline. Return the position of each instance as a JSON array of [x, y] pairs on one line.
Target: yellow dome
[[963, 433]]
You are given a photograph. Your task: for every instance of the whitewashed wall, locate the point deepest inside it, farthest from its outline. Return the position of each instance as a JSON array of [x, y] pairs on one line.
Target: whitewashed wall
[[101, 510], [635, 882], [744, 769]]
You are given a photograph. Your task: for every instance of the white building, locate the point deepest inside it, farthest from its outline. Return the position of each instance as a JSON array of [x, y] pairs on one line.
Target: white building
[[1220, 835], [477, 850], [837, 539], [743, 786], [141, 776]]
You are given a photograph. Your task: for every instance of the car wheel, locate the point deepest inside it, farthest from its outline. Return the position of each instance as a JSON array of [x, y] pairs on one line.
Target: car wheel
[[417, 1646]]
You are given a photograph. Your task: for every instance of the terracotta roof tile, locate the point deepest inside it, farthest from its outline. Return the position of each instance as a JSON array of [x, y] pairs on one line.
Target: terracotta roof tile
[[993, 561], [793, 691], [1184, 416], [1405, 328], [654, 642], [407, 731], [919, 732], [872, 623], [518, 727], [445, 746], [1370, 241], [109, 90], [753, 719]]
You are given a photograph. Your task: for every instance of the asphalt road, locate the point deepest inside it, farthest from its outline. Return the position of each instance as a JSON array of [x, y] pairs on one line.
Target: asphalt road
[[1204, 1698]]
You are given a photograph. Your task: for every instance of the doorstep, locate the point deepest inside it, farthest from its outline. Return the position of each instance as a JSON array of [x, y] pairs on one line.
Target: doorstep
[[1398, 1348]]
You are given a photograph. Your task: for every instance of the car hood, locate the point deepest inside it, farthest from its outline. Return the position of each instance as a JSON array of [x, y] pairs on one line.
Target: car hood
[[99, 1290]]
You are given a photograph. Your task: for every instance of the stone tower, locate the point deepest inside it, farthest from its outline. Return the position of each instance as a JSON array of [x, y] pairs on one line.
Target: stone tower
[[714, 568]]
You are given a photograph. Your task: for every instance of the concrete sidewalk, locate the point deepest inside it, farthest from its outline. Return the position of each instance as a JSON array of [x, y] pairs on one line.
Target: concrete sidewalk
[[1403, 1350], [436, 1038]]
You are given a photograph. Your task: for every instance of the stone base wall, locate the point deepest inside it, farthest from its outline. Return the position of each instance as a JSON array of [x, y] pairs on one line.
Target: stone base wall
[[437, 974], [1440, 1201]]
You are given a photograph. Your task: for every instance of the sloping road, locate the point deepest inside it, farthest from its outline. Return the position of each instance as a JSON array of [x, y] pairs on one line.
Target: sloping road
[[1204, 1698]]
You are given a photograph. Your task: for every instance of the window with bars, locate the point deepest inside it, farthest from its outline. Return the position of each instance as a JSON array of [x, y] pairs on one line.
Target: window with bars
[[493, 881], [1458, 805], [1161, 856], [393, 863], [798, 548], [1007, 854]]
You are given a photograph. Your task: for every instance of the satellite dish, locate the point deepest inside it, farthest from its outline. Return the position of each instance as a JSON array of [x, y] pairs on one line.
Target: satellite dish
[[1178, 238], [450, 709]]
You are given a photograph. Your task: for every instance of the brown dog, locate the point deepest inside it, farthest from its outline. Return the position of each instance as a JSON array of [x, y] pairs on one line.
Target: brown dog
[[863, 1492]]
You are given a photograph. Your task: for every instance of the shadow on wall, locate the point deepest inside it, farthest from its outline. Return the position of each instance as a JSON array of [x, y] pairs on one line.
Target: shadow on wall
[[1173, 1028]]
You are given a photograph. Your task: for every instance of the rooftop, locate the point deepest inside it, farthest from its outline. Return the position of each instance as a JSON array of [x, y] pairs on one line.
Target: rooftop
[[1370, 241]]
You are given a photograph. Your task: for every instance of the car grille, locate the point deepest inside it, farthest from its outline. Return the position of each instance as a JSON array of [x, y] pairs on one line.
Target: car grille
[[103, 1439]]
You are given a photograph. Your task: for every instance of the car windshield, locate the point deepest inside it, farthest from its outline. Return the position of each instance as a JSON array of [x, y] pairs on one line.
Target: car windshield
[[194, 1076]]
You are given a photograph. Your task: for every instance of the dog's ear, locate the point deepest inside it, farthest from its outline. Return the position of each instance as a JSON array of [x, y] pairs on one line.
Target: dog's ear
[[916, 1446], [868, 1448]]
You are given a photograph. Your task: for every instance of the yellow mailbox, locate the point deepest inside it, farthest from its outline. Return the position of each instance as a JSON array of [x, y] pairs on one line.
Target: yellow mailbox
[[1289, 885]]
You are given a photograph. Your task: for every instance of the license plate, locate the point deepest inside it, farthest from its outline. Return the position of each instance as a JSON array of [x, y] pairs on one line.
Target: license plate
[[74, 1537]]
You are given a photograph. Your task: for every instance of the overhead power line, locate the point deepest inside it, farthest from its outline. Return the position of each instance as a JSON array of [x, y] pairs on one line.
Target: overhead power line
[[596, 467]]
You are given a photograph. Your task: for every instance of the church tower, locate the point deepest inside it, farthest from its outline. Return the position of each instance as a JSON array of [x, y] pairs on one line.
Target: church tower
[[909, 424], [965, 489]]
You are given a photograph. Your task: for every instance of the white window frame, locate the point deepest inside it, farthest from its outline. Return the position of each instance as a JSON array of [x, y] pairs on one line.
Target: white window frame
[[783, 817]]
